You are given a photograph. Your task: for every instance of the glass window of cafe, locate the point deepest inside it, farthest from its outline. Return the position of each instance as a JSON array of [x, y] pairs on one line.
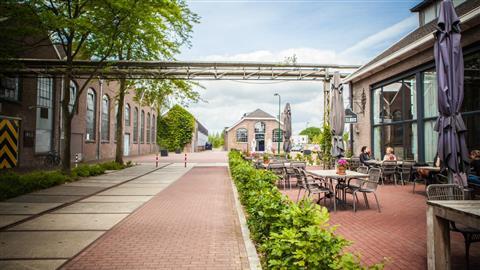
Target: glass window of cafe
[[397, 122]]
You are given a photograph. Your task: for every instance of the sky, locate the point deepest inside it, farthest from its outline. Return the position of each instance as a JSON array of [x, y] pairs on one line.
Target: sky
[[320, 32]]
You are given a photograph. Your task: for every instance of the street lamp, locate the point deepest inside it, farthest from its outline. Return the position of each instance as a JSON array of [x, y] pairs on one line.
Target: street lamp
[[279, 101]]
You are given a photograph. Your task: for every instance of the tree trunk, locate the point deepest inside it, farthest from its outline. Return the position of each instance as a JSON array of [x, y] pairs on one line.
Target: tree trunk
[[120, 122], [67, 125]]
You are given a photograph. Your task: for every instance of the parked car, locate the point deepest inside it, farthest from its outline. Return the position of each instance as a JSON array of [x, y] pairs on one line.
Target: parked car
[[208, 146], [297, 148]]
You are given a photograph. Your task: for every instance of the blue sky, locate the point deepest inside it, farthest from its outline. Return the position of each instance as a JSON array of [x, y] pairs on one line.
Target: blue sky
[[347, 32]]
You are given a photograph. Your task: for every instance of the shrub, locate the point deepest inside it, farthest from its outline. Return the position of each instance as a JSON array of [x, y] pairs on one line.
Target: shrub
[[288, 235], [112, 165]]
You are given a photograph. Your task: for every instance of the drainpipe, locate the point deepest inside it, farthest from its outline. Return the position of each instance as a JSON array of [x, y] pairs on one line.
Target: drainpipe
[[99, 136], [60, 114]]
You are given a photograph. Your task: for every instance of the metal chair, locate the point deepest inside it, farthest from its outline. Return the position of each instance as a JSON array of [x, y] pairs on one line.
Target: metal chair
[[278, 168], [389, 170], [367, 186], [291, 172], [454, 192], [405, 171], [316, 186], [354, 163]]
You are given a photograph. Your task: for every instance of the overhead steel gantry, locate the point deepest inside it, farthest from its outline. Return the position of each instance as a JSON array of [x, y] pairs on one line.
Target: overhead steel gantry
[[180, 70]]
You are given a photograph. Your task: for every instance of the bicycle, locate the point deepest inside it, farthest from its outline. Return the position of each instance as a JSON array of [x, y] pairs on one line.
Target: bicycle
[[52, 159]]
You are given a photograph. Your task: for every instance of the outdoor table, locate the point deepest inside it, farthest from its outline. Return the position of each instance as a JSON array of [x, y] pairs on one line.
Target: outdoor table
[[439, 213], [379, 163], [430, 168], [332, 175]]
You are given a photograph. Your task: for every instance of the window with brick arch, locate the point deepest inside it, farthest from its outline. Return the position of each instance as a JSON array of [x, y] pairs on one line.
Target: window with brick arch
[[105, 118], [142, 127], [91, 115], [135, 125]]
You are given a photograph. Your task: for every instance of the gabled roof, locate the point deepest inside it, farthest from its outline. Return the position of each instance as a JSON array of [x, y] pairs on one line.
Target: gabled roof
[[421, 5], [259, 114], [417, 40]]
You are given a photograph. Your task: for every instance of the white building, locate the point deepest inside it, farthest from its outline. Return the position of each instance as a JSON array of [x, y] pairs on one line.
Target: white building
[[299, 140]]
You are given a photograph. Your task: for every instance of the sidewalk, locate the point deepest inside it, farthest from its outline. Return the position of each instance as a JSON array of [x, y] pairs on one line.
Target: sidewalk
[[192, 224], [46, 228]]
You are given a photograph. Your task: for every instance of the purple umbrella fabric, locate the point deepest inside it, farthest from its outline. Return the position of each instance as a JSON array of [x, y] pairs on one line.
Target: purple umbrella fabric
[[287, 123], [452, 147], [337, 117]]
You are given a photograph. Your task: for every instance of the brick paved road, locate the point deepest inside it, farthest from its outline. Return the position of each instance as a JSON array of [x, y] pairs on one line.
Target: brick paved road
[[198, 157], [190, 225], [398, 232]]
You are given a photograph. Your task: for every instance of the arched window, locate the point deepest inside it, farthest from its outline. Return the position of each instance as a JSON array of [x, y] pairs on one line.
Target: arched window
[[242, 135], [115, 121], [135, 125], [105, 118], [73, 95], [142, 127], [91, 115], [277, 135], [127, 115], [154, 137], [260, 127], [148, 127]]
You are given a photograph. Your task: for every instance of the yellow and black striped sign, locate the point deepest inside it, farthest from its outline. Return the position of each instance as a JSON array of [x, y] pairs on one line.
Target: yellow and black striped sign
[[8, 143]]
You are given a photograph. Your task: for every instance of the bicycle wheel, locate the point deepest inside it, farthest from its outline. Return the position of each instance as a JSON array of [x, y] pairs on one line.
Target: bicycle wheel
[[48, 161]]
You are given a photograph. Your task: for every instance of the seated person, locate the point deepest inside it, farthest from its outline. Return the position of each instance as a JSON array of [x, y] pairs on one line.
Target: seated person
[[389, 155], [474, 176], [364, 155]]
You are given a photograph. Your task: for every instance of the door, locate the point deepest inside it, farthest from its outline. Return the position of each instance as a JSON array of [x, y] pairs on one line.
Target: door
[[261, 145], [126, 144]]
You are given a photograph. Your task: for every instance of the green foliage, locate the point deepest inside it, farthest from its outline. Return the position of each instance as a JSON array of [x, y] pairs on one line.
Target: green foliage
[[311, 132], [13, 184], [175, 128], [288, 235], [216, 139]]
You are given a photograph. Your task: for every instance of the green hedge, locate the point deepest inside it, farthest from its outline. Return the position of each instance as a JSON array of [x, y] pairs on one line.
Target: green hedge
[[288, 235], [13, 184]]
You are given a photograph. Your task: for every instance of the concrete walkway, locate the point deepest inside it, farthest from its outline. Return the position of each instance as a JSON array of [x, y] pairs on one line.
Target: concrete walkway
[[192, 224], [42, 230]]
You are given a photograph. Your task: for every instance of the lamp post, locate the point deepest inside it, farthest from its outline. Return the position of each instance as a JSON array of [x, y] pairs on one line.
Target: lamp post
[[279, 101]]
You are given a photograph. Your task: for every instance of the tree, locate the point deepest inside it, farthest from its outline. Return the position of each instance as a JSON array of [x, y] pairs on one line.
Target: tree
[[165, 27], [216, 139], [85, 29], [175, 129], [311, 132]]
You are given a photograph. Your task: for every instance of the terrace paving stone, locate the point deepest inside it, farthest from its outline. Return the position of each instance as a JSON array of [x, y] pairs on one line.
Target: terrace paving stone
[[89, 184], [9, 219], [31, 264], [117, 199], [74, 222], [33, 245], [102, 207], [44, 198], [68, 190], [20, 208], [131, 191]]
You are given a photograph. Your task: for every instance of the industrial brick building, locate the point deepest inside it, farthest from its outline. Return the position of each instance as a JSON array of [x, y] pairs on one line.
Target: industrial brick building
[[30, 116]]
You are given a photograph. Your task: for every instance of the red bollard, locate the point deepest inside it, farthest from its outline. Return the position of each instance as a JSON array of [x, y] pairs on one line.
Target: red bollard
[[185, 160], [156, 161]]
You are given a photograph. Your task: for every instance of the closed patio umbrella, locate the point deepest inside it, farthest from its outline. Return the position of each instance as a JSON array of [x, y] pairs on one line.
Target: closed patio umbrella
[[452, 147], [287, 125], [337, 117]]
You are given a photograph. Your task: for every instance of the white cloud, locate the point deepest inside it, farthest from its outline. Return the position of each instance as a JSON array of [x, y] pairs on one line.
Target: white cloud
[[381, 39]]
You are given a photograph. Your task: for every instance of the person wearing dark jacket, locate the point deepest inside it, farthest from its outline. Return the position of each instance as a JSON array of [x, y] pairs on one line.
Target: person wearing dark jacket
[[474, 176], [364, 155]]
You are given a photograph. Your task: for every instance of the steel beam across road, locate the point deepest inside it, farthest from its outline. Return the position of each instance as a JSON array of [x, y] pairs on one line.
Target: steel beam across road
[[179, 70]]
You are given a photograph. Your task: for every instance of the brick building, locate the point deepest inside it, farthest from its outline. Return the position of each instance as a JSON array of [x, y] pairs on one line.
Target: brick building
[[31, 105], [256, 131], [395, 94]]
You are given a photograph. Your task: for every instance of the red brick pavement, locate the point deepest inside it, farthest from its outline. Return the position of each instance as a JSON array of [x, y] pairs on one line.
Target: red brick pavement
[[190, 225], [398, 232], [198, 157]]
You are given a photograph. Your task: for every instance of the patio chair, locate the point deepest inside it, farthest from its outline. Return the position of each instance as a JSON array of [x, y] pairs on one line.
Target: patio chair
[[278, 168], [367, 186], [357, 182], [316, 185], [290, 169], [454, 192], [405, 171], [354, 163], [389, 170]]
